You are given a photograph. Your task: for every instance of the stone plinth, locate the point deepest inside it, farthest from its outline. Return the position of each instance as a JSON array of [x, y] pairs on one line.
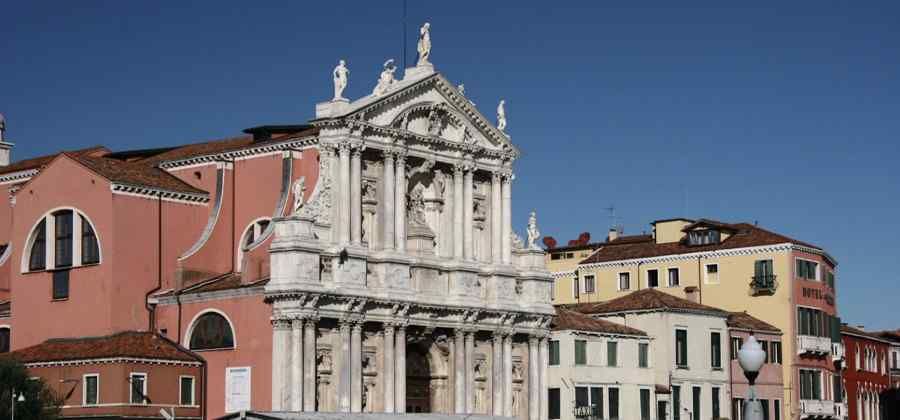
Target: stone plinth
[[529, 258], [420, 240], [332, 108], [418, 72], [294, 254]]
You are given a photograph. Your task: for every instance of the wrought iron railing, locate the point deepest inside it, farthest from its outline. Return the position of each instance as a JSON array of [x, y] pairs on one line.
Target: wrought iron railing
[[763, 284]]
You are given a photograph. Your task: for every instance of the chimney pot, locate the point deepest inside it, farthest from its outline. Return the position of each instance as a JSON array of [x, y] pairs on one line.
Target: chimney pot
[[613, 235]]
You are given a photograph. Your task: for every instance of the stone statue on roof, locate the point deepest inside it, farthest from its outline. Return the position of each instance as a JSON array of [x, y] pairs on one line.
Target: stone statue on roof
[[386, 79], [533, 232], [424, 46], [501, 115], [340, 75], [299, 189]]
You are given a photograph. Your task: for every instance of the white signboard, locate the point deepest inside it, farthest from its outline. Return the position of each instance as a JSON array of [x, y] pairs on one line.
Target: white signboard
[[237, 389]]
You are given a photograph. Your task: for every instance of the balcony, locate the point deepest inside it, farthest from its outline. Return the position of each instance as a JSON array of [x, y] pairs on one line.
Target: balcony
[[808, 344], [763, 285], [837, 352], [816, 409]]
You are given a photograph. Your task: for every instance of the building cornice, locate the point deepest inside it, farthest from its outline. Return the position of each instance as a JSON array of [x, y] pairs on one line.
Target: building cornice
[[166, 195], [251, 151], [17, 177], [107, 360], [719, 253]]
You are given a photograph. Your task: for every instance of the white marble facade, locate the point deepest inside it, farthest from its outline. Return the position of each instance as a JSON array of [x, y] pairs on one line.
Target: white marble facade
[[397, 286]]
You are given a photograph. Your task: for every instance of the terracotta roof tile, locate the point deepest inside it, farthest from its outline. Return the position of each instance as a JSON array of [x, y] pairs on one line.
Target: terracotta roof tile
[[136, 173], [570, 320], [846, 329], [745, 321], [746, 235], [645, 300], [134, 344], [41, 161]]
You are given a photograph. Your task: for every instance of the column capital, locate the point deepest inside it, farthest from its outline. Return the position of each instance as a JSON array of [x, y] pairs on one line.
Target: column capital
[[281, 323], [344, 147], [357, 327], [357, 150], [533, 340], [297, 322]]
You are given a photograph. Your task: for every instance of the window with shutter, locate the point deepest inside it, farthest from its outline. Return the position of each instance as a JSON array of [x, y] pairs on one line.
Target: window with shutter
[[580, 352]]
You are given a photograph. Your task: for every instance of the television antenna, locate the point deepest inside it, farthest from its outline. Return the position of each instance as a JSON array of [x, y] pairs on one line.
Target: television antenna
[[614, 219]]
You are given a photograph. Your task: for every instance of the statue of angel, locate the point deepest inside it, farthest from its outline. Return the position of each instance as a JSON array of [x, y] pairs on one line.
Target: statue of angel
[[424, 46], [501, 115], [340, 75], [386, 79], [299, 188], [533, 232]]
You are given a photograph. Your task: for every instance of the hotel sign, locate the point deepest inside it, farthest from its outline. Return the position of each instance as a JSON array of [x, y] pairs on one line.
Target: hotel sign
[[818, 294]]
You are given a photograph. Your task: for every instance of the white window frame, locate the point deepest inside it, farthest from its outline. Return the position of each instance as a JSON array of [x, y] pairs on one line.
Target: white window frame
[[649, 355], [647, 278], [669, 280], [84, 377], [193, 324], [619, 280], [193, 390], [593, 279], [131, 388], [797, 275], [242, 247], [50, 241], [706, 279], [675, 349]]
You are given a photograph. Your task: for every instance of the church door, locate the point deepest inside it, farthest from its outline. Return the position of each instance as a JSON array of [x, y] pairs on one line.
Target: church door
[[418, 380]]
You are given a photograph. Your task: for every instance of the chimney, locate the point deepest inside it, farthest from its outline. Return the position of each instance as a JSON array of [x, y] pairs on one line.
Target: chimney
[[5, 147], [613, 234], [861, 327], [692, 293]]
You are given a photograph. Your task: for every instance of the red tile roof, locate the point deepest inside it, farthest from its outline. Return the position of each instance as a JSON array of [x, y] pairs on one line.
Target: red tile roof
[[136, 174], [848, 330], [746, 235], [41, 161], [745, 321], [570, 320], [645, 300], [130, 344]]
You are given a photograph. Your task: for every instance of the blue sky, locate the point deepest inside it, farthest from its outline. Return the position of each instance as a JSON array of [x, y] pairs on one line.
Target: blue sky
[[785, 113]]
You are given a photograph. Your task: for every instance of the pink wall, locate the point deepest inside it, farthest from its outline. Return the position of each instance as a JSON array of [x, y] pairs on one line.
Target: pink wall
[[250, 318], [814, 294], [769, 383]]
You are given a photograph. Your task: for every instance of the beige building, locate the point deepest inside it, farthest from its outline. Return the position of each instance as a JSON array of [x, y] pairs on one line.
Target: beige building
[[736, 267], [600, 368]]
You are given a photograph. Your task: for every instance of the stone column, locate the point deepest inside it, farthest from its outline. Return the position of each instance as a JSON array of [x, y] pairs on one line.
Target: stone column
[[309, 366], [400, 200], [281, 353], [507, 376], [470, 377], [356, 380], [496, 220], [356, 196], [506, 196], [459, 372], [534, 396], [457, 212], [296, 365], [344, 373], [344, 202], [468, 203], [388, 370], [387, 235], [497, 374], [400, 371], [543, 362]]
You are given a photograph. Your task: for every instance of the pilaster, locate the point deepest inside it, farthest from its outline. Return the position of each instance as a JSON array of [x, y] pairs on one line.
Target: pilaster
[[388, 233], [496, 219], [534, 390], [356, 196], [297, 353], [468, 204], [388, 370], [458, 212], [400, 200], [400, 370], [309, 365]]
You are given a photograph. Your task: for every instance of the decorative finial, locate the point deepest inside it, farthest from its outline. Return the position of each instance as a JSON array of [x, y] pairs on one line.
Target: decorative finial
[[462, 89], [340, 75], [501, 115], [424, 46], [386, 79]]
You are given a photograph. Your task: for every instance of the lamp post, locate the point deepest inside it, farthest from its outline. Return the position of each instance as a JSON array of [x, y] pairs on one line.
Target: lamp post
[[12, 406], [751, 358]]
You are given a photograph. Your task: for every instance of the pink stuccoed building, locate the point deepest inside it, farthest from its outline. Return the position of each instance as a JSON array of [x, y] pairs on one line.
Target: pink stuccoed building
[[364, 262]]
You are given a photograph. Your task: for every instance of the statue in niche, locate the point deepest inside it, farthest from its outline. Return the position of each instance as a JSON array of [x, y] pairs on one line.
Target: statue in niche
[[515, 403], [340, 74], [416, 207], [299, 189], [424, 46], [369, 192], [479, 213], [480, 368], [323, 360], [440, 184], [501, 115], [533, 232], [386, 79], [434, 123]]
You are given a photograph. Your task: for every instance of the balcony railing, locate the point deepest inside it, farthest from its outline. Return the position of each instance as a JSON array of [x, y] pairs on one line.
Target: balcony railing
[[809, 344], [816, 409], [837, 351], [763, 284]]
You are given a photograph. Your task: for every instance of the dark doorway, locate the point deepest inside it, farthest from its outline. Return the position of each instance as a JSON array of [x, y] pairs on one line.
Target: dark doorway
[[418, 380]]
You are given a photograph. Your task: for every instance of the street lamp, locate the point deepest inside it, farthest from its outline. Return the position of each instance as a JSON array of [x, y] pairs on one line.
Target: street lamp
[[12, 406], [751, 358]]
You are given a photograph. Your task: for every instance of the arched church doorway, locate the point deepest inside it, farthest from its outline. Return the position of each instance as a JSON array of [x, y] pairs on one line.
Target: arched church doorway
[[418, 380]]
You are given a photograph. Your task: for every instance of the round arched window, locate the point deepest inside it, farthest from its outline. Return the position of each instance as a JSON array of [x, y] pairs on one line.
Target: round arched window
[[212, 332]]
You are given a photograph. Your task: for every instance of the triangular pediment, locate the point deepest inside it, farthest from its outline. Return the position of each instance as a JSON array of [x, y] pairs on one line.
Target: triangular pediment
[[430, 106]]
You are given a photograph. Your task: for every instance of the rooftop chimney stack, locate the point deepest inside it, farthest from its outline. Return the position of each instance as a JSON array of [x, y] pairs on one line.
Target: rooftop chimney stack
[[5, 147], [613, 234]]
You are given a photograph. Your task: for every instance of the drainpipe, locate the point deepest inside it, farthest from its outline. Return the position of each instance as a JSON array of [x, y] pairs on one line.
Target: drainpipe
[[699, 281]]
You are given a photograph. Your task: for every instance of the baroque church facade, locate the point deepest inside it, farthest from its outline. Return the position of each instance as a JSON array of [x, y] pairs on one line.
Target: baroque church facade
[[398, 285], [363, 262]]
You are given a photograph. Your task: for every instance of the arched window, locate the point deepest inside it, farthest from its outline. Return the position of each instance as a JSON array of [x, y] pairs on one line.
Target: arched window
[[251, 235], [4, 339], [211, 331], [72, 241]]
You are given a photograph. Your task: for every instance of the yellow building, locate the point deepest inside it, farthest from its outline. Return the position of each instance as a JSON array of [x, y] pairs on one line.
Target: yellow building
[[736, 267]]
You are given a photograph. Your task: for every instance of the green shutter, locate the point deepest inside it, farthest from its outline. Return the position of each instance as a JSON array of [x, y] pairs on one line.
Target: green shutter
[[580, 352]]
